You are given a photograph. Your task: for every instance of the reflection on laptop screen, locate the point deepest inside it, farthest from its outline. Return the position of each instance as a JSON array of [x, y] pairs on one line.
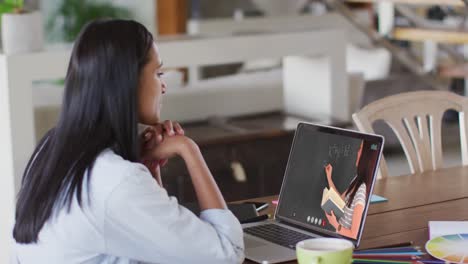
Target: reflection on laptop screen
[[328, 179]]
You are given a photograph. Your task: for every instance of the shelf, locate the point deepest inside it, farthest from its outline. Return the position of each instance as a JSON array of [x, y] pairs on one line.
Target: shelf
[[436, 35], [414, 2]]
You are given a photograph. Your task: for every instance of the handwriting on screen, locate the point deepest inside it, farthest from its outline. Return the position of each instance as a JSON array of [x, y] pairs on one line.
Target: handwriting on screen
[[336, 151]]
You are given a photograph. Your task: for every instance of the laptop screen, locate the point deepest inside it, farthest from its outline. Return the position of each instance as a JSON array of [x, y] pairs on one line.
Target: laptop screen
[[329, 179]]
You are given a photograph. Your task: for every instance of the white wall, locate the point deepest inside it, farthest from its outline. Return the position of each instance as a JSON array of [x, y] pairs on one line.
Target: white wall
[[7, 189]]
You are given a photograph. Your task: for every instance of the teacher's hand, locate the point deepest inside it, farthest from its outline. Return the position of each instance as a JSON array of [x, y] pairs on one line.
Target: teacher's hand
[[332, 219], [329, 171]]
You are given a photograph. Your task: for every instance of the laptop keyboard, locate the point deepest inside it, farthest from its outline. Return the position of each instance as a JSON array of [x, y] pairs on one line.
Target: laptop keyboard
[[277, 234]]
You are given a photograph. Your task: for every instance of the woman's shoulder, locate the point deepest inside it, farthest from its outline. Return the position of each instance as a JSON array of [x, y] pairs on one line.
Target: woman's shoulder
[[108, 160], [110, 170]]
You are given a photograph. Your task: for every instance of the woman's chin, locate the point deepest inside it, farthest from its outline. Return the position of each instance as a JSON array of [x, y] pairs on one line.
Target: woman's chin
[[151, 121]]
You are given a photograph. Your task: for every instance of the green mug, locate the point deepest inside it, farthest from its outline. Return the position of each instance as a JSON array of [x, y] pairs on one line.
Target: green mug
[[324, 251]]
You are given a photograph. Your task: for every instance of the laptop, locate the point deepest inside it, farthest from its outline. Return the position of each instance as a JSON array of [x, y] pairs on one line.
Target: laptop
[[305, 205]]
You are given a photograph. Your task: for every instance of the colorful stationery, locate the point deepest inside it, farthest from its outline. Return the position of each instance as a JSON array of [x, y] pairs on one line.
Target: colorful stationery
[[450, 248], [389, 249], [392, 255]]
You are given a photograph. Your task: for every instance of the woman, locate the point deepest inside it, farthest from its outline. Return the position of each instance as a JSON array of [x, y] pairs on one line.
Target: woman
[[355, 198], [85, 196]]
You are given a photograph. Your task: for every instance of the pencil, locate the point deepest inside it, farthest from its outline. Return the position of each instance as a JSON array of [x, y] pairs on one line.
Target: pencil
[[396, 249], [409, 257], [412, 253], [366, 261], [432, 262], [404, 244], [357, 260]]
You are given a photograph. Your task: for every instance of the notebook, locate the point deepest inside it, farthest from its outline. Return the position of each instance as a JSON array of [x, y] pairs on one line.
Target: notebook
[[441, 228], [331, 201]]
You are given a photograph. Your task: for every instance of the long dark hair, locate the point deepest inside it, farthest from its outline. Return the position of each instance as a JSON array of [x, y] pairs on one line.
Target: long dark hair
[[99, 111], [364, 170]]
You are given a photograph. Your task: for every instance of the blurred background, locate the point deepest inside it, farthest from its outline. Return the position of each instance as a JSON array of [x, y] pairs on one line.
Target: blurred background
[[242, 73]]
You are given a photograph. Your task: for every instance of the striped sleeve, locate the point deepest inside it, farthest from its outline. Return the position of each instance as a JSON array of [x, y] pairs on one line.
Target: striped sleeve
[[360, 197]]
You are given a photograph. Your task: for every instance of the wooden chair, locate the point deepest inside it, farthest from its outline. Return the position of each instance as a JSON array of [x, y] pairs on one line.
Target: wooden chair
[[416, 119]]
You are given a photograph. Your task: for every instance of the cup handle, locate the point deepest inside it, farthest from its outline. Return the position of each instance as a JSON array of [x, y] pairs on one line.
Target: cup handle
[[315, 260]]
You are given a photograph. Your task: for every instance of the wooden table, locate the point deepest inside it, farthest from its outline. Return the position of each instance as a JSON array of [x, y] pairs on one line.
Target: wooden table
[[413, 201]]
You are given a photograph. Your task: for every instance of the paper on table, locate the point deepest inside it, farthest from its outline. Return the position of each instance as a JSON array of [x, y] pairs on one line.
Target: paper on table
[[441, 228], [377, 199]]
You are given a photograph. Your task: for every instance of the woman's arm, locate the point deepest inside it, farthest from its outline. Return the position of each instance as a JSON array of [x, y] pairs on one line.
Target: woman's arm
[[207, 191], [136, 225], [359, 201], [356, 223], [143, 223], [328, 172], [151, 137], [162, 141]]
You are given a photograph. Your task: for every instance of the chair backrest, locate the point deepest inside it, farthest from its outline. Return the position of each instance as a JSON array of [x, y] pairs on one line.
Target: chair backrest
[[416, 120]]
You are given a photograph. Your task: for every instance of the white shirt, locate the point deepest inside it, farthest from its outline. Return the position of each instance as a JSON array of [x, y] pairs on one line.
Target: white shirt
[[129, 218]]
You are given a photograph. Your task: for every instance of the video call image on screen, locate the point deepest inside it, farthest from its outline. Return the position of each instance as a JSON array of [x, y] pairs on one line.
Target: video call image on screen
[[331, 177]]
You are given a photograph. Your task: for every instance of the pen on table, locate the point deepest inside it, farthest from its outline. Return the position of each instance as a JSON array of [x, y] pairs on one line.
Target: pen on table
[[256, 219], [374, 261], [404, 244], [366, 261], [390, 252], [394, 249], [395, 257], [432, 262]]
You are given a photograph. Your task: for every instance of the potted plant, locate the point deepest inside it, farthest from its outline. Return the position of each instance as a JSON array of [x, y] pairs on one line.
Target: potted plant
[[70, 16], [21, 30]]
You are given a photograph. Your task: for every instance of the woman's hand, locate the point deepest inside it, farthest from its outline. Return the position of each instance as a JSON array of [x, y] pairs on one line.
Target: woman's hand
[[151, 137], [208, 194], [332, 220], [329, 171], [177, 145], [156, 133]]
